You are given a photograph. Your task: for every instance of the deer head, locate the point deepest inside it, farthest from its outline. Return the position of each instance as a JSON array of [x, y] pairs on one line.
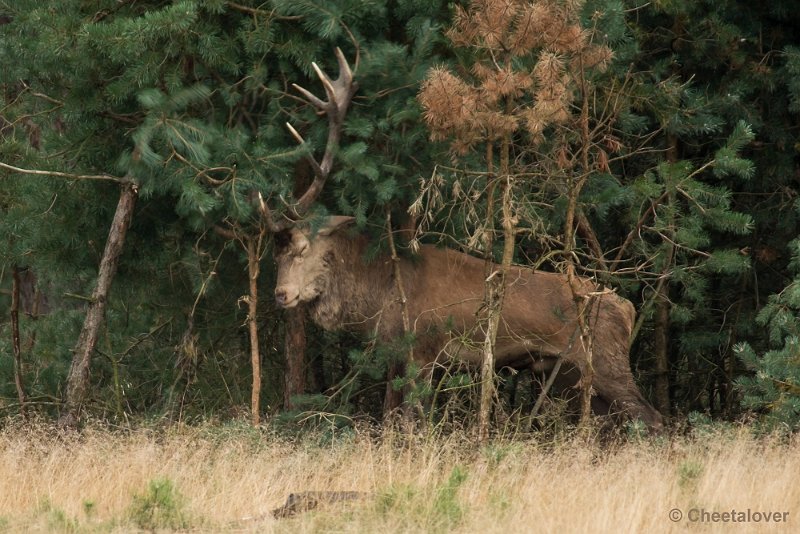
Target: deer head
[[304, 261]]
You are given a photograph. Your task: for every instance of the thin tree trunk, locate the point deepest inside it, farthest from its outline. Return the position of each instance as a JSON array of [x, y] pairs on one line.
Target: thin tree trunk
[[583, 303], [661, 328], [79, 376], [661, 325], [253, 269], [587, 232], [495, 290], [394, 398], [295, 350], [490, 301], [15, 342], [661, 349]]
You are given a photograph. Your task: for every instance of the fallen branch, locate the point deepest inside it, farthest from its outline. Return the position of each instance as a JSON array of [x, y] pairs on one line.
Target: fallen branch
[[308, 500]]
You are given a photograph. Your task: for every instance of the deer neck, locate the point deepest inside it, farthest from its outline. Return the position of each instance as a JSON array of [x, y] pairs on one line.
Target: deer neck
[[357, 291]]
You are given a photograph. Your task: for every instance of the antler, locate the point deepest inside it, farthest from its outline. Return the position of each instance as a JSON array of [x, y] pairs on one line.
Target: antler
[[339, 93]]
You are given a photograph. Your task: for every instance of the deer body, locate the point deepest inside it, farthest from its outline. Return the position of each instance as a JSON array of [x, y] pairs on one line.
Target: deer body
[[445, 292]]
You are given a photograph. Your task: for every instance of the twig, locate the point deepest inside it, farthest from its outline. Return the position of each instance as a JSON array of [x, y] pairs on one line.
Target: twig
[[546, 389], [256, 11], [68, 175]]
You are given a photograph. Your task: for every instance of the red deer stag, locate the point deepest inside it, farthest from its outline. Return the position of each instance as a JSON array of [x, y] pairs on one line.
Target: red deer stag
[[326, 271], [444, 289]]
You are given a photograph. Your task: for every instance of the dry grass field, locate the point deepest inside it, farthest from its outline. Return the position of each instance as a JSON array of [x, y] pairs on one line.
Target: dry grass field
[[228, 479]]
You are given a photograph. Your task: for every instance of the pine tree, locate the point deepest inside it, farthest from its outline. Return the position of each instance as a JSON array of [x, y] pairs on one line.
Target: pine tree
[[715, 66], [774, 388], [633, 218], [771, 390]]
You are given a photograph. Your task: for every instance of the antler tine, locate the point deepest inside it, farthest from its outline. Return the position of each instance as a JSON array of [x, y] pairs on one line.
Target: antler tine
[[343, 88], [295, 134], [327, 83], [344, 66], [314, 165], [320, 104], [339, 91], [269, 220]]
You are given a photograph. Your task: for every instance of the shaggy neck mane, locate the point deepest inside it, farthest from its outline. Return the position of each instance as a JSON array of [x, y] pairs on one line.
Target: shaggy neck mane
[[355, 292]]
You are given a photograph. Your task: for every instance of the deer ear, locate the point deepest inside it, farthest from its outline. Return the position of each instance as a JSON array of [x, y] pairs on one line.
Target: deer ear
[[335, 223]]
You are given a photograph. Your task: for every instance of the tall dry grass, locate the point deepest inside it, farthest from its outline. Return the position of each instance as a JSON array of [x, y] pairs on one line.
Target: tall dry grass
[[221, 479]]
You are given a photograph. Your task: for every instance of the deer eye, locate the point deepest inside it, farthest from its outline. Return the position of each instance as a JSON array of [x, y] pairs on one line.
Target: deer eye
[[282, 242]]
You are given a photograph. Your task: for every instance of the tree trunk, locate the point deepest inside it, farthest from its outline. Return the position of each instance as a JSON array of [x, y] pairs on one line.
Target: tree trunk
[[15, 342], [295, 350], [394, 398], [489, 300], [583, 304], [253, 268], [662, 304], [494, 294], [495, 291], [661, 350], [78, 380]]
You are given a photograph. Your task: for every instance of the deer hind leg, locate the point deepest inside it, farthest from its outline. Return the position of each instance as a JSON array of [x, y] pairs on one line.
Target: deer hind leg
[[615, 393], [613, 382]]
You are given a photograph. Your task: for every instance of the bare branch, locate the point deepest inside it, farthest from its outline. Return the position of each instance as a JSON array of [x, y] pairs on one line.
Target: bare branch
[[638, 227], [256, 11], [225, 232], [68, 175]]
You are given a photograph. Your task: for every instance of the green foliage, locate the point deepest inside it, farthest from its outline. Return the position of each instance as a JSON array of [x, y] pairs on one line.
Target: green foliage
[[57, 519], [727, 160], [689, 472], [160, 506], [430, 509], [773, 388], [446, 504], [705, 219], [793, 71]]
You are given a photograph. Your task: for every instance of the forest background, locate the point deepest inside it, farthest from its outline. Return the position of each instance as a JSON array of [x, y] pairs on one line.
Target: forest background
[[687, 201]]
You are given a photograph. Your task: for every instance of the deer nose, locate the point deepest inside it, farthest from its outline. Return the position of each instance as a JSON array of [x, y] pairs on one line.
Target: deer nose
[[280, 296]]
